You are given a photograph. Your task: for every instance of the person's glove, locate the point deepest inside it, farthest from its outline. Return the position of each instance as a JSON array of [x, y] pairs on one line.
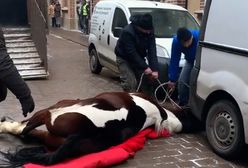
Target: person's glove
[[27, 105]]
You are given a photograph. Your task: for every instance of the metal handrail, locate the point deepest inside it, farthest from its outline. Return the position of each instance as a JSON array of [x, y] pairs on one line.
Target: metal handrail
[[42, 14]]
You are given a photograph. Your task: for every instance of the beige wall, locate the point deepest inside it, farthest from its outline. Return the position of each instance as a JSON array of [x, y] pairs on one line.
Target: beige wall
[[69, 17], [193, 5]]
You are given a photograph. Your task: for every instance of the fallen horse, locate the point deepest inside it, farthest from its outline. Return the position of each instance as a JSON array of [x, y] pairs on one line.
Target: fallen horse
[[80, 127]]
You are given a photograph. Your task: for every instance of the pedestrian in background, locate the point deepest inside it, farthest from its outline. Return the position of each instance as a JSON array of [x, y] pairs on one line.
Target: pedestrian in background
[[85, 16], [135, 45], [51, 11], [185, 42], [78, 6], [11, 79], [57, 13]]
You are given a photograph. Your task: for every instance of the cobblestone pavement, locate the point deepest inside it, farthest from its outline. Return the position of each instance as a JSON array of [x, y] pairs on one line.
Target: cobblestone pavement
[[70, 78]]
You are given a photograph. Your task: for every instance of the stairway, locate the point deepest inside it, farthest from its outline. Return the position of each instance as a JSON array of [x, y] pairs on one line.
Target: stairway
[[22, 50]]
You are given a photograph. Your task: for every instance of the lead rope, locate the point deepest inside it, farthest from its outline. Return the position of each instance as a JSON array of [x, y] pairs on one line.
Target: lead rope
[[167, 93]]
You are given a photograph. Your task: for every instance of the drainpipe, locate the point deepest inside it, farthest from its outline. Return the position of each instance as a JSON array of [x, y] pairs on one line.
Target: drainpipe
[[186, 4]]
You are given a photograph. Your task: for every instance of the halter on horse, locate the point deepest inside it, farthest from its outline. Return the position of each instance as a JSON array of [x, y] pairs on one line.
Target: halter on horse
[[79, 127]]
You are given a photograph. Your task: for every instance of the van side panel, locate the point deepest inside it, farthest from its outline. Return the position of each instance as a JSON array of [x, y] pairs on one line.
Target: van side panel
[[100, 26], [227, 23], [224, 54]]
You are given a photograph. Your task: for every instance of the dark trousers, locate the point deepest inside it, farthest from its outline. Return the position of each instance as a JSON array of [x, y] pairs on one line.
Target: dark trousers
[[53, 22], [130, 78]]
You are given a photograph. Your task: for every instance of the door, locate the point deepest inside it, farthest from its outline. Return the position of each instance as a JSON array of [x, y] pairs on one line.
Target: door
[[13, 12], [117, 20]]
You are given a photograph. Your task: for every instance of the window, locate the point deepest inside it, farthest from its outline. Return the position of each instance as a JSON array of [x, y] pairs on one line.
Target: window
[[119, 20], [167, 21]]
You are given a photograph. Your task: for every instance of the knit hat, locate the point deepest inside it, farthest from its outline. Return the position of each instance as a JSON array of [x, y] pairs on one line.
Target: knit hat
[[143, 21]]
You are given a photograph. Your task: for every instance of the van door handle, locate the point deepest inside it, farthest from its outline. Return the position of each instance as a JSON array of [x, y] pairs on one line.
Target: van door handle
[[108, 40]]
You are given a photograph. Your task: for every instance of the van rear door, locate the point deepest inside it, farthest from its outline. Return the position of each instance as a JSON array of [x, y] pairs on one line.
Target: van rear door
[[219, 83]]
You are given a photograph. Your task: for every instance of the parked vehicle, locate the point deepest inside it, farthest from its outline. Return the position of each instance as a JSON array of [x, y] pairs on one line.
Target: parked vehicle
[[110, 16], [219, 84]]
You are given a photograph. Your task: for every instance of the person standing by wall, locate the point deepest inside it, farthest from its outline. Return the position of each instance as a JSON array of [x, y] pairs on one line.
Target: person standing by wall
[[85, 14], [185, 42], [135, 45], [11, 79], [51, 13], [57, 13], [78, 8]]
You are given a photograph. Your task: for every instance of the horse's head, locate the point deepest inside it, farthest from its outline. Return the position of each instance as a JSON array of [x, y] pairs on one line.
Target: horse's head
[[172, 123]]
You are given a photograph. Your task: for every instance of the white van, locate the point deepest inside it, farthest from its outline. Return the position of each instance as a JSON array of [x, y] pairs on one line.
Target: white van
[[219, 84], [110, 16]]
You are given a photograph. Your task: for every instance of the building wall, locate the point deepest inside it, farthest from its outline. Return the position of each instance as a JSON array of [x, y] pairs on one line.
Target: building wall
[[69, 14], [70, 18], [195, 7]]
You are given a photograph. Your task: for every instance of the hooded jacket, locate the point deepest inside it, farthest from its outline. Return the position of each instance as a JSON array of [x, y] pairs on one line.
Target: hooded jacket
[[133, 46]]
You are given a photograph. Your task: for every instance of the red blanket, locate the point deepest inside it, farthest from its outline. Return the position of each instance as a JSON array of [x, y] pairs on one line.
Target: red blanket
[[112, 156]]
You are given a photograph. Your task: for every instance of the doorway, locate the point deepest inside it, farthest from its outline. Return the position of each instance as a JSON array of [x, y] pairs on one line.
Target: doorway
[[13, 12]]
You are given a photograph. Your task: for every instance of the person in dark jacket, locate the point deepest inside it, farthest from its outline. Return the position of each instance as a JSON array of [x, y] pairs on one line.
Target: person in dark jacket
[[185, 42], [11, 79], [57, 13], [136, 45]]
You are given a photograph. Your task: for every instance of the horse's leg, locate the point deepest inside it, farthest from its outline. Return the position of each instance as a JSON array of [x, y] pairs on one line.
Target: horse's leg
[[74, 146], [45, 137], [12, 127], [17, 128]]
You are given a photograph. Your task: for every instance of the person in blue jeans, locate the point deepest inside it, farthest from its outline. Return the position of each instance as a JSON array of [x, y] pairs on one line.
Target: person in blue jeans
[[185, 42]]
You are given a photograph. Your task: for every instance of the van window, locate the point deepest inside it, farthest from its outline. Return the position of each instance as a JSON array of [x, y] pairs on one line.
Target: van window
[[119, 20], [167, 21]]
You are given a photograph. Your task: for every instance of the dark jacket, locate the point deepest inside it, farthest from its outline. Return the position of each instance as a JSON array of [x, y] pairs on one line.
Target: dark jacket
[[57, 10], [133, 46], [12, 80], [6, 63]]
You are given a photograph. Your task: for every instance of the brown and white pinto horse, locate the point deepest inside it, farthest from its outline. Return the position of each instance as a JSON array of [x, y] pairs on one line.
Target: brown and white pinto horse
[[79, 127]]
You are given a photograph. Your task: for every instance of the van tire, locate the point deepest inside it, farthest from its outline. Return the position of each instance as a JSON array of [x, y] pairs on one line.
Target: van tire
[[224, 128], [95, 65]]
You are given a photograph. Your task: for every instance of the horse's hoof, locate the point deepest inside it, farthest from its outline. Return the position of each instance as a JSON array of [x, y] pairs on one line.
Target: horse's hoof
[[3, 119]]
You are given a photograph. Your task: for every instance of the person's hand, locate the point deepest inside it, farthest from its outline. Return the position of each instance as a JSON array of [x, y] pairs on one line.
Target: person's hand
[[148, 71], [154, 75], [171, 85], [27, 105]]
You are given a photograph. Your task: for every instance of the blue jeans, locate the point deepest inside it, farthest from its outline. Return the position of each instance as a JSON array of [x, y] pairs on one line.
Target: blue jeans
[[183, 84]]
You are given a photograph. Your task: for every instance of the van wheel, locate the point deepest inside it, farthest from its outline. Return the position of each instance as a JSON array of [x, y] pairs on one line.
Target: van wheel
[[95, 65], [224, 128]]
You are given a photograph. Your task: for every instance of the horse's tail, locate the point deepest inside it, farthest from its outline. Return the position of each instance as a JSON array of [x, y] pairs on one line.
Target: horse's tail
[[25, 155], [71, 148]]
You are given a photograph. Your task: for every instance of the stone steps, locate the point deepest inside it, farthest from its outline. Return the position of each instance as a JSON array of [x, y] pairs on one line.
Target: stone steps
[[23, 52]]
